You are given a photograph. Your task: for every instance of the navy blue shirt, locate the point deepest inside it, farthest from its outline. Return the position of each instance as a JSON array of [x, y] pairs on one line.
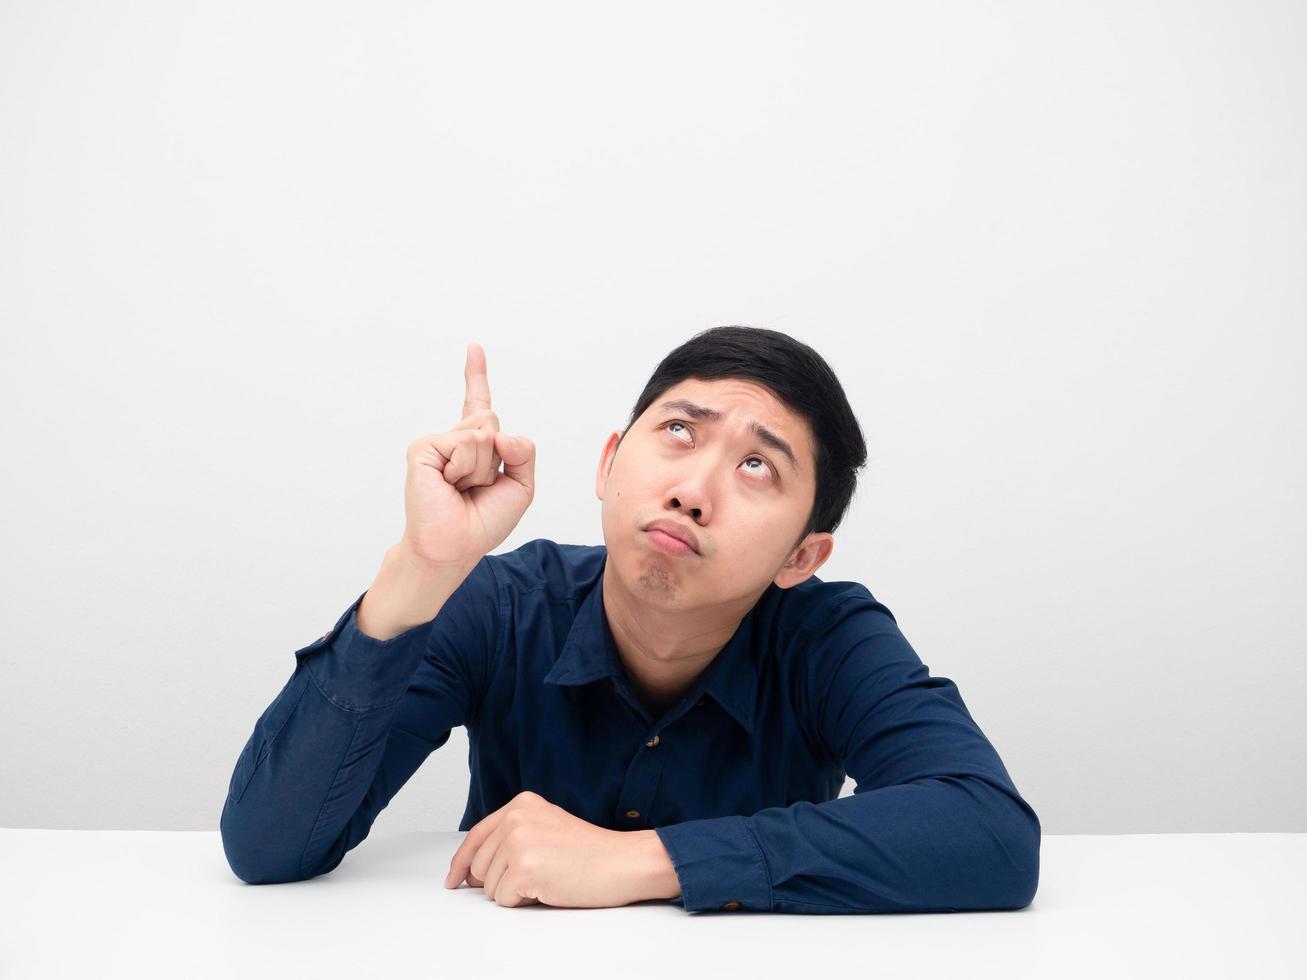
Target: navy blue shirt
[[740, 778]]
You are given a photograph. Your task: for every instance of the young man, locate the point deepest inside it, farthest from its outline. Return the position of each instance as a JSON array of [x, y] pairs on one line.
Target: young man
[[670, 715]]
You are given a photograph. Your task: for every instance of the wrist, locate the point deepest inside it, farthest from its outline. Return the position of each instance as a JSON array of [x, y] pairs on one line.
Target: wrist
[[403, 553], [407, 592], [656, 874]]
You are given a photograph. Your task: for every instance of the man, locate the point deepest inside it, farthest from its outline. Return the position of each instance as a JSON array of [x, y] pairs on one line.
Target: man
[[670, 715]]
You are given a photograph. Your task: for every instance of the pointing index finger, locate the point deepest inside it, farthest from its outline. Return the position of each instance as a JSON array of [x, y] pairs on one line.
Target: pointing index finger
[[477, 395]]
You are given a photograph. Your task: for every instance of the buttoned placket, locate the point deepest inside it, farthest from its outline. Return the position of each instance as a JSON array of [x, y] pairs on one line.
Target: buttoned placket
[[645, 769], [643, 774]]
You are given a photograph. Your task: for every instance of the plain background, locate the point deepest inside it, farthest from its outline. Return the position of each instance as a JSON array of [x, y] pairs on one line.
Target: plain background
[[1055, 253]]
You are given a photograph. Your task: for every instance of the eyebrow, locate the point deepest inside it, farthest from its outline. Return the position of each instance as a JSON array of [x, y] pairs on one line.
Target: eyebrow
[[764, 434]]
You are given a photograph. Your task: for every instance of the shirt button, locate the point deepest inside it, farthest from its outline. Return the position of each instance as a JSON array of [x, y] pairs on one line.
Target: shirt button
[[731, 906], [633, 814], [699, 703], [652, 742]]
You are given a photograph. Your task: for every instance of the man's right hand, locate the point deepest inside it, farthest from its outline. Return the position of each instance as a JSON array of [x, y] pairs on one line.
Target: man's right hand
[[458, 505]]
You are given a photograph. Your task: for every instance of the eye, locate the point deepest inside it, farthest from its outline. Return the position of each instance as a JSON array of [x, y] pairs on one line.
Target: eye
[[668, 427]]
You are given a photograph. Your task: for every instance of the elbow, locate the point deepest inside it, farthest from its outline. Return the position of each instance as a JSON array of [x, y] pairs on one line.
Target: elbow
[[239, 848], [248, 854], [1023, 853], [1014, 836], [259, 851], [1025, 880]]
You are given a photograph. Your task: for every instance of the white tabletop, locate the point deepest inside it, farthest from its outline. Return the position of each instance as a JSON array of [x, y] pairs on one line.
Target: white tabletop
[[133, 903]]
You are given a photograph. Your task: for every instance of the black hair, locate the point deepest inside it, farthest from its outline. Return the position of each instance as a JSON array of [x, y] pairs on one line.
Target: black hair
[[801, 379]]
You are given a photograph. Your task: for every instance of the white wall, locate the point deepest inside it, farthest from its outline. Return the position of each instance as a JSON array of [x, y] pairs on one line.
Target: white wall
[[1056, 256]]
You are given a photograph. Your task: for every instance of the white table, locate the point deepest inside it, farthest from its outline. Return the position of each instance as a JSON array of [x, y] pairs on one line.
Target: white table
[[136, 903]]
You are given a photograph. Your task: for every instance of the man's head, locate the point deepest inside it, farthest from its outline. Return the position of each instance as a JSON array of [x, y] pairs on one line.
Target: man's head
[[761, 500]]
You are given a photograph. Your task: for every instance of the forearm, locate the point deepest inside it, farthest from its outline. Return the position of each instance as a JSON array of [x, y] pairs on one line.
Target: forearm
[[943, 844]]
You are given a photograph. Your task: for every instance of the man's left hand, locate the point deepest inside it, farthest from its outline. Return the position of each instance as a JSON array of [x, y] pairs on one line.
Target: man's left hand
[[532, 851]]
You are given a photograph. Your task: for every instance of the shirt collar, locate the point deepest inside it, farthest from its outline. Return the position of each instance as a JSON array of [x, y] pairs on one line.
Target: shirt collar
[[590, 653]]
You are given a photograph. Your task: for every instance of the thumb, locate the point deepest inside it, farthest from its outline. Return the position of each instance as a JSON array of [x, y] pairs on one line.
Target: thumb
[[519, 456]]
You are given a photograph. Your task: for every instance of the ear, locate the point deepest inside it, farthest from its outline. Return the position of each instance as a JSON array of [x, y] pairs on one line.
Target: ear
[[606, 462], [806, 559]]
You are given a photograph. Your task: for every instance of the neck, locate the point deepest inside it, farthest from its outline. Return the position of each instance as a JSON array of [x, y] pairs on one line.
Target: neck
[[663, 652]]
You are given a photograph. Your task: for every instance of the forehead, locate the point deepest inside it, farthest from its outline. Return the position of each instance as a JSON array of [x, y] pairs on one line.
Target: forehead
[[741, 402]]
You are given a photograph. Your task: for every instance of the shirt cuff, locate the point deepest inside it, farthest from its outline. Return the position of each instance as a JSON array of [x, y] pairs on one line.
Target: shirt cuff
[[358, 672], [719, 863]]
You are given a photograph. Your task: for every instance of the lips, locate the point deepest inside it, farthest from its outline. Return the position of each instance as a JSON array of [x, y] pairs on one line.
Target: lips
[[677, 530]]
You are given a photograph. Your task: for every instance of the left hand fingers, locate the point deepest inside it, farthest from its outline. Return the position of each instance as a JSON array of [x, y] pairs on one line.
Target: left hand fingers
[[508, 894], [503, 854], [497, 873], [461, 864], [504, 880], [494, 855]]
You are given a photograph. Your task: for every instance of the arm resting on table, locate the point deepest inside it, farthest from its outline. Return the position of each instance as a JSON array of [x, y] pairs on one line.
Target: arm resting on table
[[935, 824]]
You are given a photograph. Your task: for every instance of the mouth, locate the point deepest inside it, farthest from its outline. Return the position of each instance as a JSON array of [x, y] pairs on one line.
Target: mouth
[[666, 542]]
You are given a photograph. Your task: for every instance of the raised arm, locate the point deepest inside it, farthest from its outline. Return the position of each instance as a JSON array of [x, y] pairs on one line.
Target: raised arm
[[357, 718], [405, 663]]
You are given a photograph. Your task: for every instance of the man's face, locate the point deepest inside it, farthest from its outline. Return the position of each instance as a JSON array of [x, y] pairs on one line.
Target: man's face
[[738, 492]]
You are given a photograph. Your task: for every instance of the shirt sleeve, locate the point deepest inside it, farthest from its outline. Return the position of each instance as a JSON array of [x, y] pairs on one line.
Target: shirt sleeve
[[935, 823], [356, 719]]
